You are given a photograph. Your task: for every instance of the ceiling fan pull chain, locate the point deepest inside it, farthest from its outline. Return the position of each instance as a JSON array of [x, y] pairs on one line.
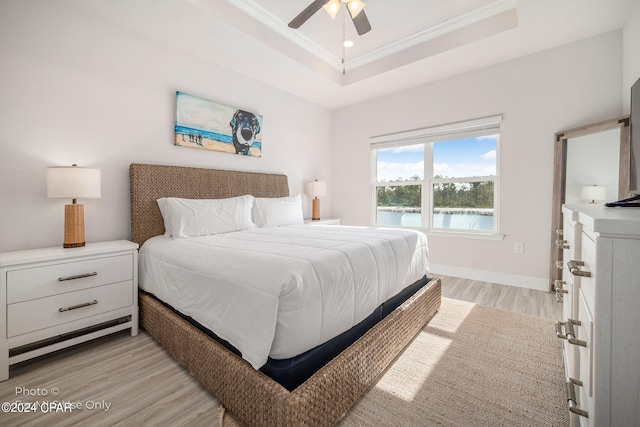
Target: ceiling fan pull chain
[[344, 19]]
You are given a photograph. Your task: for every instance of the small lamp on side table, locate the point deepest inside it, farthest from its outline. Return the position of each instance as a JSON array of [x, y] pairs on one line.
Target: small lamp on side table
[[316, 189], [72, 182]]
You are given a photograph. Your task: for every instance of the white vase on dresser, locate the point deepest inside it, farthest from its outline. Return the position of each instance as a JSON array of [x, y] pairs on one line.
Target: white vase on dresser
[[601, 313]]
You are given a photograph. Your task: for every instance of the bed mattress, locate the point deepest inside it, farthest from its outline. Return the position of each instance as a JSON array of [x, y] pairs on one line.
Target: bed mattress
[[280, 291]]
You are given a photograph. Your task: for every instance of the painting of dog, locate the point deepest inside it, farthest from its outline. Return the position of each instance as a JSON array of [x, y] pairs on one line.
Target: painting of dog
[[208, 125], [244, 129]]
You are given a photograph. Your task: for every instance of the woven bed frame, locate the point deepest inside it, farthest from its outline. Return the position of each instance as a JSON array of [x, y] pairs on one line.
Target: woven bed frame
[[254, 398]]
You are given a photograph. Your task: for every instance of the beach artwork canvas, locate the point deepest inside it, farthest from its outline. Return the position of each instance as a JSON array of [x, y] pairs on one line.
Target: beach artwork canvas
[[205, 124]]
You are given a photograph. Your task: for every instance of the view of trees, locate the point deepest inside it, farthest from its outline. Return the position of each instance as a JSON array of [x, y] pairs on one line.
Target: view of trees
[[445, 195], [400, 195]]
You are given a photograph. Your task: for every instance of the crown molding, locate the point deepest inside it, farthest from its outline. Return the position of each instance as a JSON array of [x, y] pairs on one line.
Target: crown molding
[[434, 32], [262, 15]]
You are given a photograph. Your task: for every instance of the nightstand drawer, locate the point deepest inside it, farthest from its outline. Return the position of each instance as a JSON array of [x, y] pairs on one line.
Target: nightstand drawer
[[29, 316], [38, 282]]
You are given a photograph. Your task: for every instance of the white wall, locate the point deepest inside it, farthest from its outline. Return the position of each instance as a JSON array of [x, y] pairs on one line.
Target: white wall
[[76, 89], [631, 54], [537, 95]]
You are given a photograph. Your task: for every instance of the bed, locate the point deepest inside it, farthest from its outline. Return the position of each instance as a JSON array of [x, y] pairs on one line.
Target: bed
[[259, 397]]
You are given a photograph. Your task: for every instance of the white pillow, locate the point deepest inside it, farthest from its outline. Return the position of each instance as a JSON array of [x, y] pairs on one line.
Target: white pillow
[[164, 211], [274, 212], [203, 217]]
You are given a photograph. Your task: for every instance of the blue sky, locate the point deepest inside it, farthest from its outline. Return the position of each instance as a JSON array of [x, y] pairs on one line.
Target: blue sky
[[456, 158]]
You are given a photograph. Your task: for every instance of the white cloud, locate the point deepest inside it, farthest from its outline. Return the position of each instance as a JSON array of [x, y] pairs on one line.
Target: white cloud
[[487, 137], [489, 155], [440, 167], [408, 149], [392, 171]]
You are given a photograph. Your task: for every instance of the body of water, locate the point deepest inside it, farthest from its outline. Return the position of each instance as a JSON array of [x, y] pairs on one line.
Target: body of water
[[446, 221]]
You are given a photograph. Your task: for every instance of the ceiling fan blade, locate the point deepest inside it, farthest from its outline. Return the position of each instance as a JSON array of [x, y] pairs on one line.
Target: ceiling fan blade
[[361, 22], [307, 13]]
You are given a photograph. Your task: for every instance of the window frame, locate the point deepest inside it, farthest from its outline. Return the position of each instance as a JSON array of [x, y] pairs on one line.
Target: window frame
[[428, 136]]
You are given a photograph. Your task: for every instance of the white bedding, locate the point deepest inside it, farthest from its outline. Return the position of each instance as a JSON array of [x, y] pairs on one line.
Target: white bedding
[[280, 291]]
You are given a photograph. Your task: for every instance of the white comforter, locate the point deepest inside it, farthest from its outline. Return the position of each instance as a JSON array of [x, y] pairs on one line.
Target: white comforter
[[281, 291]]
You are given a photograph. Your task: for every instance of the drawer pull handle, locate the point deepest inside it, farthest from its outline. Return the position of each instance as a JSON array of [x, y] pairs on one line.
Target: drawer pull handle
[[570, 335], [574, 268], [74, 307], [558, 284], [562, 244], [79, 276], [571, 398]]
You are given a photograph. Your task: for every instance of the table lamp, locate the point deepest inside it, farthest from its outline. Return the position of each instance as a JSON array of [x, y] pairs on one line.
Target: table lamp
[[594, 193], [64, 182], [316, 189]]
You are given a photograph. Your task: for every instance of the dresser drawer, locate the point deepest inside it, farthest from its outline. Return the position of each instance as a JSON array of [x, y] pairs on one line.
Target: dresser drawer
[[33, 315], [585, 333], [38, 282], [588, 256], [571, 247]]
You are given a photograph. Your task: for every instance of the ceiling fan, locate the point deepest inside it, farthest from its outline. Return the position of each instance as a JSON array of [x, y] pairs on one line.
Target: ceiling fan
[[355, 8]]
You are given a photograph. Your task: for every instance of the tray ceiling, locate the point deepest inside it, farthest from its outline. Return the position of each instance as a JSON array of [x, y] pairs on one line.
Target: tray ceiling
[[412, 42]]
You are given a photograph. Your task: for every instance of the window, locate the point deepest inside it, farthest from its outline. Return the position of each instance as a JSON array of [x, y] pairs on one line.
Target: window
[[399, 183], [442, 178]]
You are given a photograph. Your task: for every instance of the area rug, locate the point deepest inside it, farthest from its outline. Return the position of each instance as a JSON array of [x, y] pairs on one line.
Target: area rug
[[471, 365]]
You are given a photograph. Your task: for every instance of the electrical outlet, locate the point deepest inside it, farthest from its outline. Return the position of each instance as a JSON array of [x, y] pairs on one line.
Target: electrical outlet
[[518, 248]]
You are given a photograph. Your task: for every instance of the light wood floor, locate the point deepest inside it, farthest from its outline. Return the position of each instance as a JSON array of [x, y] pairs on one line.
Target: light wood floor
[[144, 386], [511, 298]]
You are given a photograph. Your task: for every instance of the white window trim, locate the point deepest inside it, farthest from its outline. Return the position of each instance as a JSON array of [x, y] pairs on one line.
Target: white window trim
[[477, 127], [465, 129], [477, 235]]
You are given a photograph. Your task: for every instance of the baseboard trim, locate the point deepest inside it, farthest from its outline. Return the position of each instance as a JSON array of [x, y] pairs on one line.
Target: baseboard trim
[[527, 282]]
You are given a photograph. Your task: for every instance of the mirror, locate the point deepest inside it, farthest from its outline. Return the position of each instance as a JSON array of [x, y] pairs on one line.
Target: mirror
[[592, 160], [587, 156]]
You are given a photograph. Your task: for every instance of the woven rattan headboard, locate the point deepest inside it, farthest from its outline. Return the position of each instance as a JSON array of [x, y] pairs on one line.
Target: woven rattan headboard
[[151, 182]]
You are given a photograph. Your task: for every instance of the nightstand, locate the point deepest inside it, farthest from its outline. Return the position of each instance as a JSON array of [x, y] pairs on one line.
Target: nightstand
[[328, 221], [54, 298]]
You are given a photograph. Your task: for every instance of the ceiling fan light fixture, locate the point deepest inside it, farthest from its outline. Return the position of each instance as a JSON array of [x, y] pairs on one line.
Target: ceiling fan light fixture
[[332, 7], [355, 7]]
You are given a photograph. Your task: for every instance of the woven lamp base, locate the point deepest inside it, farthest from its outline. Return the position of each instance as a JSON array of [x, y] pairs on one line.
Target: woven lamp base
[[315, 214], [73, 226]]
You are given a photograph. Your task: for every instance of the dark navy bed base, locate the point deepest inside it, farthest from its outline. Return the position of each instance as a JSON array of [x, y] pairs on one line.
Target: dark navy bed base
[[290, 373]]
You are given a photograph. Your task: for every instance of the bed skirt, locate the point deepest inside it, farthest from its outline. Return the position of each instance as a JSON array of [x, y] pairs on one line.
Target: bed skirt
[[255, 399]]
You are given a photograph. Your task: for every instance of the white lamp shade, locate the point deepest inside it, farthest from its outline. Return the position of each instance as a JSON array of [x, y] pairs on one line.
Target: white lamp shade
[[73, 182], [355, 7], [594, 192], [316, 189], [332, 8]]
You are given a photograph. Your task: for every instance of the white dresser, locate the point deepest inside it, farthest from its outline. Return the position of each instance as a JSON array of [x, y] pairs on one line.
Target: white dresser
[[52, 298], [601, 312]]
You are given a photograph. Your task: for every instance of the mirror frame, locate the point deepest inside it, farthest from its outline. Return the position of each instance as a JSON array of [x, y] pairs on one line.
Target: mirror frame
[[559, 176]]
